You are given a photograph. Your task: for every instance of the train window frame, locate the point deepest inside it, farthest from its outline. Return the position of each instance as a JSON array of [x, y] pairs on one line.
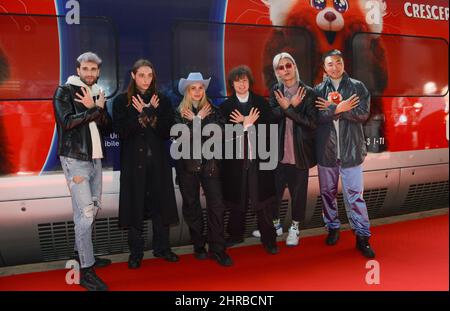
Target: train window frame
[[401, 36], [179, 22], [115, 56]]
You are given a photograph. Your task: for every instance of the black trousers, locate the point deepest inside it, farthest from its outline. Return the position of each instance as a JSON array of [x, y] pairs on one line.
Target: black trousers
[[160, 239], [236, 225], [297, 182], [192, 211]]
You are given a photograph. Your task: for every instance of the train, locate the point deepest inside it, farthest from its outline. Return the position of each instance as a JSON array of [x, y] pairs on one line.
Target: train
[[399, 49]]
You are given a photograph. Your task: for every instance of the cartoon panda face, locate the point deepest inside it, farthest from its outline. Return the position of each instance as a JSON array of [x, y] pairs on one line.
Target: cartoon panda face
[[339, 5], [330, 16]]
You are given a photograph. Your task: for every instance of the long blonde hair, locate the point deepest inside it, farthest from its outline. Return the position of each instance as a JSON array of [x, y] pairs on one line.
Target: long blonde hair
[[186, 103]]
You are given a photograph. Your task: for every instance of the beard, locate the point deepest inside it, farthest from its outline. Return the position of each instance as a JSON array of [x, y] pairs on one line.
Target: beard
[[89, 83]]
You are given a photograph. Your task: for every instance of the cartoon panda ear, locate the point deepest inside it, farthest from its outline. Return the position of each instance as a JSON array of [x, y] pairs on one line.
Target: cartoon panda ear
[[279, 10]]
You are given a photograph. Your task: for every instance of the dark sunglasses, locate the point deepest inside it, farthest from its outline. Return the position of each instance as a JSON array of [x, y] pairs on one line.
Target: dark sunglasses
[[287, 66]]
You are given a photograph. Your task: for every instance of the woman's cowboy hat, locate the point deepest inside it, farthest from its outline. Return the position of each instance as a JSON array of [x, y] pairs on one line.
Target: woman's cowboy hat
[[193, 77]]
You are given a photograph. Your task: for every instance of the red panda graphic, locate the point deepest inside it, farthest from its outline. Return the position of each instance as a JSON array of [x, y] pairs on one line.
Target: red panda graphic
[[329, 24]]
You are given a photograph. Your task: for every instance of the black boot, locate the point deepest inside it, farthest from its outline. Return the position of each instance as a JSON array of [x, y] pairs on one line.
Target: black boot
[[134, 262], [271, 249], [167, 255], [200, 252], [333, 237], [91, 281], [222, 258], [362, 244], [99, 262]]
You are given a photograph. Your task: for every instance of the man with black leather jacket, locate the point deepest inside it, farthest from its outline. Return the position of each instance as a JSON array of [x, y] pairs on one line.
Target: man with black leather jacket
[[80, 115], [344, 105], [292, 103]]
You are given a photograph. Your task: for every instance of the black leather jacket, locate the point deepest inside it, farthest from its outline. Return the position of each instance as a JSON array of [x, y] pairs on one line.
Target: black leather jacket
[[210, 167], [72, 119], [351, 136], [304, 117]]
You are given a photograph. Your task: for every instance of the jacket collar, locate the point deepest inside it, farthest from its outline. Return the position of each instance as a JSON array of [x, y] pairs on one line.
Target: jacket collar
[[94, 90], [299, 83], [236, 99], [344, 81]]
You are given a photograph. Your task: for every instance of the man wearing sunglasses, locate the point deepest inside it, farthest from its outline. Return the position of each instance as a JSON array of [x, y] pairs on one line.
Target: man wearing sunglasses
[[292, 102]]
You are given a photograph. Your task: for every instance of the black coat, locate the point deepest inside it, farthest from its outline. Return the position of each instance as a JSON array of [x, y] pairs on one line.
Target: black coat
[[207, 167], [72, 123], [351, 135], [304, 117], [233, 169], [142, 194]]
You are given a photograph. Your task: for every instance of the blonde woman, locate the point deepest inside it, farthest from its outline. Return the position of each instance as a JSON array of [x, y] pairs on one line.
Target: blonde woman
[[192, 173]]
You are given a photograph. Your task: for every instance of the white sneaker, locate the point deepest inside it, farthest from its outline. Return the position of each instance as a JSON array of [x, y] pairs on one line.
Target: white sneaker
[[293, 236], [278, 228], [256, 234]]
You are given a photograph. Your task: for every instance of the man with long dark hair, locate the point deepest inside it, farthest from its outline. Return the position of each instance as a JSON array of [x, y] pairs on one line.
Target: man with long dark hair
[[142, 118]]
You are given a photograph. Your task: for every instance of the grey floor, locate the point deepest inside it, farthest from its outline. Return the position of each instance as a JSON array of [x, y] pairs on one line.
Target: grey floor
[[56, 265]]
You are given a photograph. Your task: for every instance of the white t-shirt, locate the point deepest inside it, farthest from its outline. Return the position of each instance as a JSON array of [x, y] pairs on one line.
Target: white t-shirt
[[336, 122], [97, 152]]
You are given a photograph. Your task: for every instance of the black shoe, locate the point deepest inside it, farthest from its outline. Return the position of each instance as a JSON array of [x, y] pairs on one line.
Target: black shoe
[[362, 244], [91, 281], [102, 262], [222, 258], [99, 262], [332, 237], [272, 250], [168, 256], [134, 262], [200, 253], [233, 242]]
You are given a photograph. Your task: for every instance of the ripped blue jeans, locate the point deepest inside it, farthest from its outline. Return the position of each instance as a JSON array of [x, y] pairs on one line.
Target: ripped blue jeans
[[84, 179]]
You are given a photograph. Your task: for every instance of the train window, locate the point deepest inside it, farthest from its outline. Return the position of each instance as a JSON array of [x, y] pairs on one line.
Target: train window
[[396, 65], [38, 52], [215, 48]]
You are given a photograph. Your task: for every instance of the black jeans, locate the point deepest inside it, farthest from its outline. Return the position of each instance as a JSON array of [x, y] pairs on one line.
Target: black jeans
[[192, 212], [236, 225], [160, 239], [297, 182]]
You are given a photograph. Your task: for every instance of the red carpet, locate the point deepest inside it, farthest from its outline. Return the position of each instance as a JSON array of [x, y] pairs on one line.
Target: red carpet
[[413, 255]]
